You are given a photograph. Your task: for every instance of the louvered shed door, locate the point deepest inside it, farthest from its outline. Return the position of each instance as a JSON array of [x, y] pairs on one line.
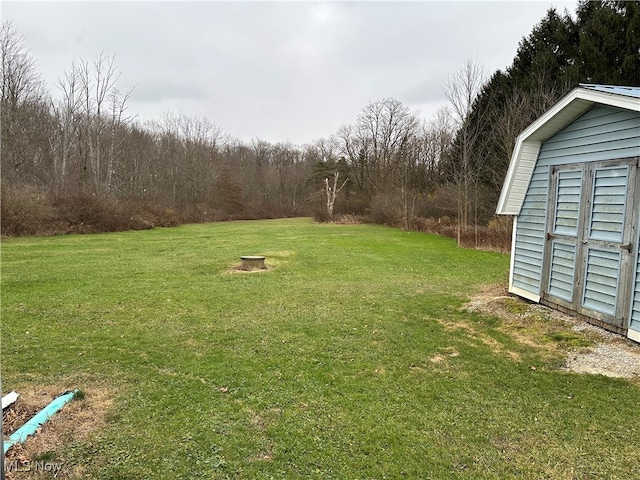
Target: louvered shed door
[[568, 195], [591, 253], [605, 240]]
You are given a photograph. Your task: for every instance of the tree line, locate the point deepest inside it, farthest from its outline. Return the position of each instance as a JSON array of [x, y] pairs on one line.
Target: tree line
[[81, 161]]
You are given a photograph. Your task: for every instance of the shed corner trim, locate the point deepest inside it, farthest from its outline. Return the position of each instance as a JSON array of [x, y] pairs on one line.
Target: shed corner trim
[[534, 297]]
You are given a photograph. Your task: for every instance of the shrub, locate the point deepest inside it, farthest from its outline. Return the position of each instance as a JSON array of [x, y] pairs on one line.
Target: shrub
[[25, 210], [437, 226], [349, 219], [86, 213], [321, 215], [496, 236], [91, 213], [384, 211]]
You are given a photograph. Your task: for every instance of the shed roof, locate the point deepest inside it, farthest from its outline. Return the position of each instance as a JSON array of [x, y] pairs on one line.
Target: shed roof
[[628, 91], [565, 111]]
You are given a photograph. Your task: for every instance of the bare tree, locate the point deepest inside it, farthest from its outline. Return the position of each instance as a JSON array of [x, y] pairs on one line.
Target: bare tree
[[519, 110], [432, 146], [102, 109], [332, 192], [386, 126], [461, 90], [375, 147], [21, 100], [189, 158], [352, 147], [284, 160], [66, 111], [21, 82], [261, 153], [118, 123]]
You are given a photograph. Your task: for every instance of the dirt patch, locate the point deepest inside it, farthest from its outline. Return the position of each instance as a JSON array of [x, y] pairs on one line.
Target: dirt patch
[[588, 349], [443, 354], [238, 269], [40, 455]]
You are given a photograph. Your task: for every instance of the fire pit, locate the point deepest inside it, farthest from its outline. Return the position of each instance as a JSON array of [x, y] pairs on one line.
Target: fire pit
[[252, 262]]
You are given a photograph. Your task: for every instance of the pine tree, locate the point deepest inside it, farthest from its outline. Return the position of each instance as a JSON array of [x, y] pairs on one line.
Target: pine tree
[[609, 42]]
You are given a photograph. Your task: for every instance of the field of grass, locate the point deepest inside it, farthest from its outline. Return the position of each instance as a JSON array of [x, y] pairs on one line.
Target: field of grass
[[349, 358]]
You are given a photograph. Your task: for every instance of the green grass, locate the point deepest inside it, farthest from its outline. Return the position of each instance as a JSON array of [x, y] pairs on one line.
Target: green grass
[[350, 358]]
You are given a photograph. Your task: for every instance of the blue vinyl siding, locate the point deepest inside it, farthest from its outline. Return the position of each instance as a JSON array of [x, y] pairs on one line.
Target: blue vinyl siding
[[602, 133], [527, 271]]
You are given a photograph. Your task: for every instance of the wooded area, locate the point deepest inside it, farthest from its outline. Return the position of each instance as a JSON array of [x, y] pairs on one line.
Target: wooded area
[[80, 162]]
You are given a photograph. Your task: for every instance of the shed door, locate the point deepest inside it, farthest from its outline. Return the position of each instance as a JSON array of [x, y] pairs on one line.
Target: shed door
[[564, 237], [589, 254], [634, 316]]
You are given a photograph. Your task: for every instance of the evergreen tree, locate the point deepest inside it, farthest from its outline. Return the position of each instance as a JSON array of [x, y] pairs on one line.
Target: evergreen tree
[[609, 42], [544, 58]]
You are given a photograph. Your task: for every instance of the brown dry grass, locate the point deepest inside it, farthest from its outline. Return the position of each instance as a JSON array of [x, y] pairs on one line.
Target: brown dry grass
[[519, 319], [239, 269], [349, 219], [76, 421]]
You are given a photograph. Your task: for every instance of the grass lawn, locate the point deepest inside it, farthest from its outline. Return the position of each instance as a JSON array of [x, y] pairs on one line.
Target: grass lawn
[[349, 358]]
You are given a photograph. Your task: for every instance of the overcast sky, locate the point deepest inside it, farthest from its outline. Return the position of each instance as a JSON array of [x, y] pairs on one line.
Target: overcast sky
[[285, 71]]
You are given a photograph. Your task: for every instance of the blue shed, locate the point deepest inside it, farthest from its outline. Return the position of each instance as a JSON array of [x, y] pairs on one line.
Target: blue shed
[[573, 185]]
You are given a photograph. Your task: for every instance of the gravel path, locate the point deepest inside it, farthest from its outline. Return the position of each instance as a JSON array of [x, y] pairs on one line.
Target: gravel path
[[614, 356]]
